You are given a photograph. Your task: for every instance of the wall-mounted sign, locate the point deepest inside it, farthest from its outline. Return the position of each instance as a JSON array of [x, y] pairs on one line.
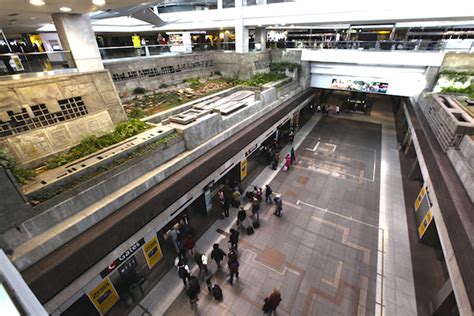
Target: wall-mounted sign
[[243, 169], [424, 224], [122, 258], [420, 197], [104, 296], [152, 252], [359, 85]]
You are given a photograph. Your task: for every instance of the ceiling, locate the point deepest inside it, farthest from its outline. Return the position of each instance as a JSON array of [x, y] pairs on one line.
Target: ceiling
[[19, 16]]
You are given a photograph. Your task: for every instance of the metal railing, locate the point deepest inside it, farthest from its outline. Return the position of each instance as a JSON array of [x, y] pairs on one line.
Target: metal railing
[[155, 50], [415, 45], [21, 63]]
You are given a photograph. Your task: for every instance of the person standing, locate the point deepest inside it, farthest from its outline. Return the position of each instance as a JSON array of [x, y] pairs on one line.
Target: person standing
[[190, 243], [268, 194], [217, 255], [226, 207], [234, 239], [256, 209], [293, 156], [337, 109], [183, 271], [233, 264], [279, 205], [174, 234], [272, 302], [193, 297], [207, 274], [198, 258]]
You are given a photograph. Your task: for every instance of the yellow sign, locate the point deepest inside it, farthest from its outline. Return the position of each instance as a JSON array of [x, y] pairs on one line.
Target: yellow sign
[[420, 197], [36, 39], [136, 41], [104, 296], [152, 252], [425, 223], [243, 169]]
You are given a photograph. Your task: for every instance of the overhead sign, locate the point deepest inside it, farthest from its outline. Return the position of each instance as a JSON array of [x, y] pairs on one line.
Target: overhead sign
[[359, 85], [122, 258], [243, 169], [104, 296], [152, 251]]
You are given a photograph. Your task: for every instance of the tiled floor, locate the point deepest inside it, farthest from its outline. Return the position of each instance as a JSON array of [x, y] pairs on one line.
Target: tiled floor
[[324, 253]]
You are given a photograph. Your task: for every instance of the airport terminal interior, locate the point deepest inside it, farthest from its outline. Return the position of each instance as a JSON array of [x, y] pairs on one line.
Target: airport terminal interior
[[236, 157]]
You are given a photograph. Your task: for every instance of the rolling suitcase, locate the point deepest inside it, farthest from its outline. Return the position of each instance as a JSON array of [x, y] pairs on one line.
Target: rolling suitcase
[[250, 230], [256, 224], [217, 292]]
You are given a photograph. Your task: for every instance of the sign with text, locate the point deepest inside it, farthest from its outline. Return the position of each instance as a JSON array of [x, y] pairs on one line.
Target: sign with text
[[104, 296], [243, 169], [122, 258], [152, 251]]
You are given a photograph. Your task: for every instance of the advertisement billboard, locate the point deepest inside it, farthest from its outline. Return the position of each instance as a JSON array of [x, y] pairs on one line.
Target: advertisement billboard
[[359, 85]]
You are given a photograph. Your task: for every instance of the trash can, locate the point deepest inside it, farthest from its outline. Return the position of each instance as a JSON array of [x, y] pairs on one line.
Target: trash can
[[136, 292]]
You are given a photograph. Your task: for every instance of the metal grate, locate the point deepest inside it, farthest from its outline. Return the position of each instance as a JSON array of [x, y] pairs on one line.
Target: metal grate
[[22, 122]]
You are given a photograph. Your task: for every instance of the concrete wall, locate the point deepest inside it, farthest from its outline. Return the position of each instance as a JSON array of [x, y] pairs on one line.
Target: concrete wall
[[151, 72], [458, 62], [97, 92], [463, 162], [242, 66]]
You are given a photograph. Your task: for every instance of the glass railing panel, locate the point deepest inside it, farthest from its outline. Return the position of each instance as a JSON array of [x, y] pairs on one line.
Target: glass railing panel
[[21, 63]]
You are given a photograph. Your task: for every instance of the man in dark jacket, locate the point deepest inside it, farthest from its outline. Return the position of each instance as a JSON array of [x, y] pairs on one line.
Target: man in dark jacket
[[234, 239], [217, 255]]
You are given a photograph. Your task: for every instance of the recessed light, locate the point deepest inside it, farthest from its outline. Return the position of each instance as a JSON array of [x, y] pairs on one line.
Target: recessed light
[[65, 9], [98, 2], [37, 2], [33, 18]]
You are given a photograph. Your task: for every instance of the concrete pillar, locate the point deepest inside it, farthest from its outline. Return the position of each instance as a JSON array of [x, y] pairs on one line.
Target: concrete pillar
[[261, 2], [261, 37], [76, 34], [443, 302], [241, 36], [220, 4]]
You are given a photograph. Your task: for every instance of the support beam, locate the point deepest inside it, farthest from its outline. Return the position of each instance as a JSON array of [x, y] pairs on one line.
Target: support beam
[[76, 34], [261, 38], [241, 37]]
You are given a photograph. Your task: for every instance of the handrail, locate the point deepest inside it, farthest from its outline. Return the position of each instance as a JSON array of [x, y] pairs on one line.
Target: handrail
[[35, 53]]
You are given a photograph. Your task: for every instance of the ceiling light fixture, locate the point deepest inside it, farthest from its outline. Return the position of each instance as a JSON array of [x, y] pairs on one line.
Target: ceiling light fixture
[[65, 9], [98, 2], [37, 2]]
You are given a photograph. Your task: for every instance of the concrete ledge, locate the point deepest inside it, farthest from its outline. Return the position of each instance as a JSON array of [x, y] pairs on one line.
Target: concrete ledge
[[109, 198]]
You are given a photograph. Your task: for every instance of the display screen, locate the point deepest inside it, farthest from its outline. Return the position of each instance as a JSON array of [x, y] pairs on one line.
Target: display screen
[[7, 307], [359, 85]]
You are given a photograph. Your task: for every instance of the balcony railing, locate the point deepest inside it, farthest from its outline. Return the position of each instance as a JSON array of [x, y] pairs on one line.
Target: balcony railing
[[415, 45], [21, 63], [155, 50]]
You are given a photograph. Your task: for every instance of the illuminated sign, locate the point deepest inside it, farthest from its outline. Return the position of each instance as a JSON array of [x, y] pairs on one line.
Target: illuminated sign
[[122, 257]]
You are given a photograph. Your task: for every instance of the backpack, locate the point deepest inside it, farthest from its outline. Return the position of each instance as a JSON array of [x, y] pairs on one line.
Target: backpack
[[217, 292], [182, 272]]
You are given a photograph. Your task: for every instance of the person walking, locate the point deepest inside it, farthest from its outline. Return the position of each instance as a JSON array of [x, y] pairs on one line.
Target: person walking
[[198, 258], [292, 155], [268, 194], [241, 216], [207, 274], [279, 205], [286, 167], [217, 255], [192, 294], [233, 239], [233, 264], [256, 209], [183, 271], [174, 234], [272, 302]]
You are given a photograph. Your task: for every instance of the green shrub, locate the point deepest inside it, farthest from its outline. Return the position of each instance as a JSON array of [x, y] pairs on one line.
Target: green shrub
[[92, 144], [457, 76], [139, 90], [281, 67], [163, 86], [22, 176], [263, 78], [193, 82], [136, 113], [468, 90]]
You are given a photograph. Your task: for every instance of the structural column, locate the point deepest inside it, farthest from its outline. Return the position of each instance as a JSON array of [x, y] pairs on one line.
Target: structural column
[[241, 37], [261, 37], [76, 34]]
